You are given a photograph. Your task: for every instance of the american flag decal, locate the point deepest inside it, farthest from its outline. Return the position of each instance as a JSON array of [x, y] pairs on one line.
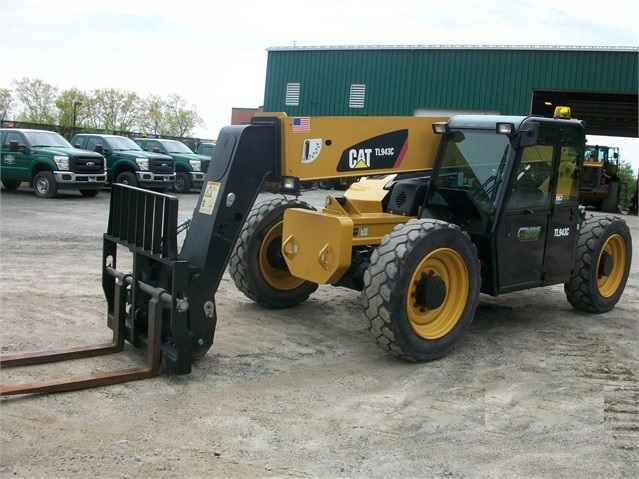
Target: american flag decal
[[301, 124]]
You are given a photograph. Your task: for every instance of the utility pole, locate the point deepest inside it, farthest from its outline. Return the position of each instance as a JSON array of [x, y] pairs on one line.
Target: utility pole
[[76, 104]]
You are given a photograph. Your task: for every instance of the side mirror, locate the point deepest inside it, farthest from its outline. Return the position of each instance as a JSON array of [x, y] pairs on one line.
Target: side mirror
[[13, 145], [529, 135]]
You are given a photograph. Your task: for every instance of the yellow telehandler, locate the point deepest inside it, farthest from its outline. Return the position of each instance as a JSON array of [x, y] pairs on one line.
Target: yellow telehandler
[[446, 209]]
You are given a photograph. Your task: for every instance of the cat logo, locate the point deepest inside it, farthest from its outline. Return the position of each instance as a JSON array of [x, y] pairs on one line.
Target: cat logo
[[359, 158]]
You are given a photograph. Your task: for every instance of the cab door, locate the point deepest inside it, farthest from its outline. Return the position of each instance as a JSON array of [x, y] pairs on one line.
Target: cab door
[[15, 164], [522, 229], [537, 232], [520, 239], [562, 231]]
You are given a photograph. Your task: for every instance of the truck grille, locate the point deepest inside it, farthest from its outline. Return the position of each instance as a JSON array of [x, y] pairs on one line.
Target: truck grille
[[161, 166], [81, 165], [205, 165]]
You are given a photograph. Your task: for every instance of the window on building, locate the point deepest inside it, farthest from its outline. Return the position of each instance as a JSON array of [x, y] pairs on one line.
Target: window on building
[[357, 96], [292, 94]]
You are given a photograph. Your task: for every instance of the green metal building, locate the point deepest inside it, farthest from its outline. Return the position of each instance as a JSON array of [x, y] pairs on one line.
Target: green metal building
[[598, 83]]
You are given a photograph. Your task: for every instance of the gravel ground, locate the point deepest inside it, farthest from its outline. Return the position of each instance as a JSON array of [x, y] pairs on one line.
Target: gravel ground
[[536, 389]]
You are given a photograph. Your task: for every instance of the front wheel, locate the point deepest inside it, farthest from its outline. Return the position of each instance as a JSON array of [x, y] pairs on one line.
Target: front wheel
[[421, 289], [604, 254], [182, 182], [127, 178], [257, 264], [44, 185]]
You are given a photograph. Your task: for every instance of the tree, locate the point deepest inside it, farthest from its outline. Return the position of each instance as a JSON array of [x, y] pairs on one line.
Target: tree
[[70, 105], [626, 176], [36, 101], [6, 103], [116, 110], [109, 109], [152, 119], [181, 119]]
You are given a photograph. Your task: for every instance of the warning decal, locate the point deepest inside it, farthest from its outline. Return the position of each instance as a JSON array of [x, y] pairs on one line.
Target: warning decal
[[210, 195]]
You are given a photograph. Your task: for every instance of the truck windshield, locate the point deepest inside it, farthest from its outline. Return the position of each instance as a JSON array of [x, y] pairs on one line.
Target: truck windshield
[[173, 146], [471, 171], [122, 143], [41, 139]]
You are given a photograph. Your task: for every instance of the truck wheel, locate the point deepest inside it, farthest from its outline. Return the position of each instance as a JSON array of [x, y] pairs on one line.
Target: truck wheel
[[257, 265], [604, 254], [11, 185], [44, 185], [182, 183], [90, 193], [127, 178], [325, 184], [610, 203], [421, 289]]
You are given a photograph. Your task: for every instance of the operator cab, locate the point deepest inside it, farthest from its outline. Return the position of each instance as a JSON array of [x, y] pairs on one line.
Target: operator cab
[[512, 184]]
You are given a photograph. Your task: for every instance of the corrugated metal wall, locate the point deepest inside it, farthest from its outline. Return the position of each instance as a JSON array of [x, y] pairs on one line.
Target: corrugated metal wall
[[400, 80]]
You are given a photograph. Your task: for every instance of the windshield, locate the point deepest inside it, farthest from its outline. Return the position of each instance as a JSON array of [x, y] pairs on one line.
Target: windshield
[[473, 163], [173, 146], [40, 139], [122, 143]]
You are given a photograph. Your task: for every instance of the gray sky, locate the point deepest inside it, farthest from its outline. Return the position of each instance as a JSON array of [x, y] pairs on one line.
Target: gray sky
[[213, 53]]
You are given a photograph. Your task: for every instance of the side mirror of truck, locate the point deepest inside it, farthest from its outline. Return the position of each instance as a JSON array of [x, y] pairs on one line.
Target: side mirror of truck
[[15, 146], [529, 135], [102, 150]]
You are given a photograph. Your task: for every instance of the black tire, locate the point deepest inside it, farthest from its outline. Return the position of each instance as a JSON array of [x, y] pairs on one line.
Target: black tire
[[435, 264], [325, 184], [257, 265], [182, 182], [90, 193], [44, 185], [604, 254], [11, 185], [610, 203], [127, 178]]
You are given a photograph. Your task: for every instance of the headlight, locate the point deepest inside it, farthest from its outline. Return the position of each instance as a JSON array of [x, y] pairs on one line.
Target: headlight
[[196, 165], [143, 163], [289, 183], [62, 162]]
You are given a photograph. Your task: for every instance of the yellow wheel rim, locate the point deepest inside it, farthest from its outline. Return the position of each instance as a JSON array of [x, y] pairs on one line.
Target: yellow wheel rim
[[278, 278], [615, 247], [448, 266]]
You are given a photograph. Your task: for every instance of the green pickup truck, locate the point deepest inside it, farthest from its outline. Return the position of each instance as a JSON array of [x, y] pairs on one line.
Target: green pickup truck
[[190, 168], [205, 148], [48, 163], [127, 163]]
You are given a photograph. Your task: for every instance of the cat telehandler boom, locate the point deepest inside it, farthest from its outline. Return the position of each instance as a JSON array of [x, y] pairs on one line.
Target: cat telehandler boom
[[447, 210]]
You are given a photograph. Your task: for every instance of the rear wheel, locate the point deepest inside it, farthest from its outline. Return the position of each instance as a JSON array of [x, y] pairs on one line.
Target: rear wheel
[[11, 184], [610, 203], [257, 265], [44, 185], [182, 182], [127, 178], [421, 289], [604, 254]]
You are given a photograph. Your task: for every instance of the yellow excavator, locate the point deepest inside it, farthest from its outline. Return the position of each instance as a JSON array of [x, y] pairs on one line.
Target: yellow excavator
[[446, 209]]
